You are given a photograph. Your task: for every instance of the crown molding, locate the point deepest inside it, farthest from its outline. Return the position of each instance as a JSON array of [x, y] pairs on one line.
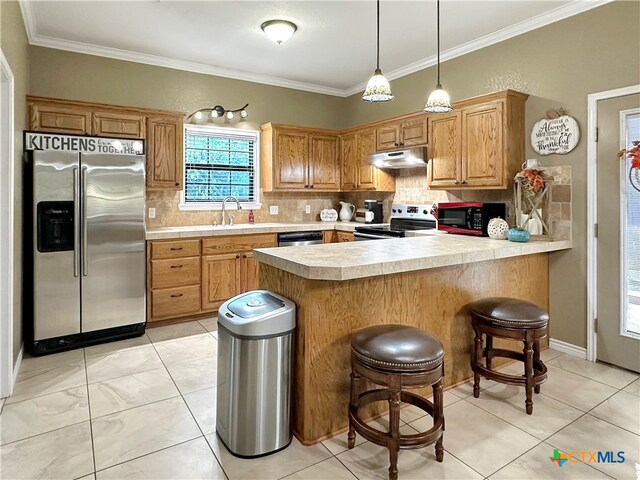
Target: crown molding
[[560, 13], [555, 15]]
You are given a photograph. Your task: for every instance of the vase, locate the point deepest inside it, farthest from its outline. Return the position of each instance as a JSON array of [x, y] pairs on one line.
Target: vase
[[518, 234], [497, 229]]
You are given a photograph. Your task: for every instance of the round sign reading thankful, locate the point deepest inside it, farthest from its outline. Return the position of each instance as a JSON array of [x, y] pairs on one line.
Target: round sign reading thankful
[[557, 135]]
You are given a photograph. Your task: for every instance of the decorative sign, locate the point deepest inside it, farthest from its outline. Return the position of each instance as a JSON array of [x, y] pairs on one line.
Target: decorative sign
[[77, 143], [557, 135]]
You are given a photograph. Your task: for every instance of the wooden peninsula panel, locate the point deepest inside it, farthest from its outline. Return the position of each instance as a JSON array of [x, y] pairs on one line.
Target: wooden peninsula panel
[[431, 299]]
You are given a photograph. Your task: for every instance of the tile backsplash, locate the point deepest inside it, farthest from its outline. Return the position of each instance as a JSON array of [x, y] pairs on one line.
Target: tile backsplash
[[411, 187]]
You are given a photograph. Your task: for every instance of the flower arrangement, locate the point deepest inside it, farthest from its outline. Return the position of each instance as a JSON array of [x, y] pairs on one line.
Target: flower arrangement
[[533, 181], [633, 153]]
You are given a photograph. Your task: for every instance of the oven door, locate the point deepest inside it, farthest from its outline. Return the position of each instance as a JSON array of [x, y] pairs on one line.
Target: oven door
[[360, 236]]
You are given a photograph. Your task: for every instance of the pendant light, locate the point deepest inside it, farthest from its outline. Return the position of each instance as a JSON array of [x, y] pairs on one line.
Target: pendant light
[[378, 89], [439, 101]]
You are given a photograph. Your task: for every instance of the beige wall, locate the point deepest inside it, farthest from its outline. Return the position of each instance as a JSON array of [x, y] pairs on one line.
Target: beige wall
[[13, 41], [558, 66], [55, 73]]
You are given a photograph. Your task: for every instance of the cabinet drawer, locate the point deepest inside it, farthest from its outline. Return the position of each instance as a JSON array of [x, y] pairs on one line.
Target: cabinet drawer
[[174, 302], [237, 243], [175, 272], [175, 249]]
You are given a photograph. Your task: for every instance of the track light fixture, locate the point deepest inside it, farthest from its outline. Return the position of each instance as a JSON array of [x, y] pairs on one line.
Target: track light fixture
[[219, 111]]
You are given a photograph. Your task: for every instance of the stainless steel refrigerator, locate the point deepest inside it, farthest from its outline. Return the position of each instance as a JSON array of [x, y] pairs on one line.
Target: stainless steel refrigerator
[[84, 242]]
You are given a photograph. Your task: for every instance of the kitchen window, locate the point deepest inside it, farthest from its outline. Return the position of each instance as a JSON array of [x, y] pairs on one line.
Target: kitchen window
[[219, 162]]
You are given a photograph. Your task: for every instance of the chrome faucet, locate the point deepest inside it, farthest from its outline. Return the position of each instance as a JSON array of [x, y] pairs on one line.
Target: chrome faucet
[[224, 202]]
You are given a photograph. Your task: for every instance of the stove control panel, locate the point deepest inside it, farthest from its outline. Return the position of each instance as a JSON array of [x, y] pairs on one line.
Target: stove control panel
[[416, 211]]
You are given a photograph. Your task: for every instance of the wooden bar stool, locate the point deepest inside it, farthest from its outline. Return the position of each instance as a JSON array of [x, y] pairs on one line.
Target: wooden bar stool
[[396, 357], [515, 319]]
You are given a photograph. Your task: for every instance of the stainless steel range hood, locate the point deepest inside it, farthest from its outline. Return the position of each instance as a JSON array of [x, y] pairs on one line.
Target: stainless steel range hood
[[410, 158]]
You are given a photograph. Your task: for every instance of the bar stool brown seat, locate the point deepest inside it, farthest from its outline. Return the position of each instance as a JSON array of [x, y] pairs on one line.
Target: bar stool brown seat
[[396, 357], [509, 318]]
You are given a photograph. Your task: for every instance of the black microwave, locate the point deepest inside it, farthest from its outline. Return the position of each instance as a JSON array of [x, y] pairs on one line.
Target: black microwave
[[468, 218]]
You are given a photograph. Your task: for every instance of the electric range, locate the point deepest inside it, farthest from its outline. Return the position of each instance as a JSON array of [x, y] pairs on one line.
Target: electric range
[[403, 218]]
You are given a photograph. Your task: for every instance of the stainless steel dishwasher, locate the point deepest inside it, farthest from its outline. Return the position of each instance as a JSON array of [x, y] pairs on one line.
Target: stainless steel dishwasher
[[292, 239]]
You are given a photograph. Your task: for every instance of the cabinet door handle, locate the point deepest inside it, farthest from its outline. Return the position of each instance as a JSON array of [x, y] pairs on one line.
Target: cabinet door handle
[[175, 248], [456, 182], [176, 266], [237, 256], [176, 295], [310, 186], [464, 182], [395, 144], [244, 256]]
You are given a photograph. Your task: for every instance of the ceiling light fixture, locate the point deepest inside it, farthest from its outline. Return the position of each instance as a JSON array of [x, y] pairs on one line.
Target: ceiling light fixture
[[378, 89], [279, 30], [219, 111], [439, 101]]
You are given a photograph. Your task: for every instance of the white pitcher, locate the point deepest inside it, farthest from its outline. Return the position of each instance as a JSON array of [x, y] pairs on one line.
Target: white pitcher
[[347, 211]]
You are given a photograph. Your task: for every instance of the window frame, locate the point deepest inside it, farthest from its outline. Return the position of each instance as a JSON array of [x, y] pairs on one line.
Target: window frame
[[215, 130]]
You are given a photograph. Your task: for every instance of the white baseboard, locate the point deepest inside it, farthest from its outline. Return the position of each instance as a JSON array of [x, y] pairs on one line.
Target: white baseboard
[[16, 367], [568, 348]]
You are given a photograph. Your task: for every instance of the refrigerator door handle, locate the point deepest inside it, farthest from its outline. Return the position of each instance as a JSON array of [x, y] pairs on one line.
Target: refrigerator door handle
[[76, 224], [85, 252]]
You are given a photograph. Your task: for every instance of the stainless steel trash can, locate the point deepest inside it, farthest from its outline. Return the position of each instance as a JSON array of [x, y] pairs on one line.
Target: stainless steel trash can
[[255, 346]]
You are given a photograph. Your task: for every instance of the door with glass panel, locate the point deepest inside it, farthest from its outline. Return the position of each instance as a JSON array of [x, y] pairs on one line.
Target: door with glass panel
[[618, 234]]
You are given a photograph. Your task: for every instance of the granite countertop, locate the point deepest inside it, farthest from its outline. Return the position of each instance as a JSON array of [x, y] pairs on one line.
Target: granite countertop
[[245, 228], [345, 261]]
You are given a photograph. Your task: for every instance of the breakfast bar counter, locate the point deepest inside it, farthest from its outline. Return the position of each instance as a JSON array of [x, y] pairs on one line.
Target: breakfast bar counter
[[421, 281]]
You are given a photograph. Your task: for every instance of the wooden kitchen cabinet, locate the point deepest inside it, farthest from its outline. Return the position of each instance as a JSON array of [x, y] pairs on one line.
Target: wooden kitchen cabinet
[[357, 172], [221, 279], [324, 162], [480, 145], [249, 272], [173, 279], [47, 117], [340, 237], [444, 151], [299, 159], [113, 124], [164, 153], [408, 133], [162, 131]]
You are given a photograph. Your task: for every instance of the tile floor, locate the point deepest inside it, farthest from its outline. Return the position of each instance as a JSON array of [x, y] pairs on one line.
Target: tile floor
[[145, 409]]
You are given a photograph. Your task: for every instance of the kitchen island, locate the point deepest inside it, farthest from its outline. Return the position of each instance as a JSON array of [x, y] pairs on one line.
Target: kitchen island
[[420, 281]]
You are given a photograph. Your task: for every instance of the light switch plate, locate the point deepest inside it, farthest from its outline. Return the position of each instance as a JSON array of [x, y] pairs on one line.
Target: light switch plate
[[307, 209], [273, 210], [152, 213]]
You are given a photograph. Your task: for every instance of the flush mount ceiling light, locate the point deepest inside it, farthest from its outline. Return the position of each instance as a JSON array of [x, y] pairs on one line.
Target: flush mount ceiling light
[[217, 112], [438, 101], [378, 89], [279, 30]]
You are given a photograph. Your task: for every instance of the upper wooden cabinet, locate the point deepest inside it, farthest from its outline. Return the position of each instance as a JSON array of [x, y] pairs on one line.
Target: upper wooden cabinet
[[295, 158], [357, 172], [164, 153], [162, 130], [46, 117], [109, 124], [407, 133], [480, 145]]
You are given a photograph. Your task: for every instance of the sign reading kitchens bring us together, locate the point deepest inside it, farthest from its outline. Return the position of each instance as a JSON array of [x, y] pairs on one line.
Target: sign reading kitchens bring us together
[[557, 135], [77, 143]]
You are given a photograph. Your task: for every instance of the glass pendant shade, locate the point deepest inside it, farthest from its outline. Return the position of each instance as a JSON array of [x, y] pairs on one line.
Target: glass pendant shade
[[378, 89], [279, 30], [438, 101]]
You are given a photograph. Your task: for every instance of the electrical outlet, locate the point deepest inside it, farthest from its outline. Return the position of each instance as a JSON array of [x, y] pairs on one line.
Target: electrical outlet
[[307, 209], [152, 213], [273, 210]]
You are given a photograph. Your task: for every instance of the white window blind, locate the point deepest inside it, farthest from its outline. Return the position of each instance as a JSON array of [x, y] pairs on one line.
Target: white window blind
[[220, 162]]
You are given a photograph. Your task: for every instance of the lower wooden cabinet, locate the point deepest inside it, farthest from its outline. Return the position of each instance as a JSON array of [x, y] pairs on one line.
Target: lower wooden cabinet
[[221, 279], [342, 236], [190, 278], [175, 302]]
